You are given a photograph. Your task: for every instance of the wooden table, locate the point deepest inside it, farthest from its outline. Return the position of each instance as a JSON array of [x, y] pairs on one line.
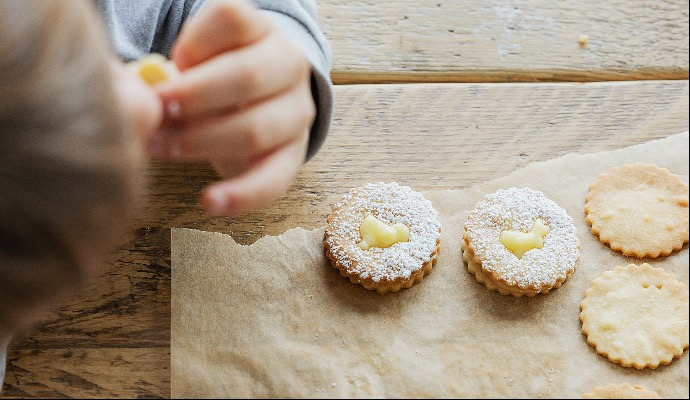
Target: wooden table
[[432, 94]]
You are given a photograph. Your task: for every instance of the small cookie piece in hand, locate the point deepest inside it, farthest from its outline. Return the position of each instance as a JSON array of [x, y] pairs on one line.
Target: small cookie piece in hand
[[621, 391], [518, 242], [154, 68], [636, 316], [639, 209], [383, 236]]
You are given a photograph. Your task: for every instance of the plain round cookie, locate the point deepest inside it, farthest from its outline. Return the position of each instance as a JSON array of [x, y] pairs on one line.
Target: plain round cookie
[[639, 209], [539, 270], [621, 391], [383, 269], [636, 316]]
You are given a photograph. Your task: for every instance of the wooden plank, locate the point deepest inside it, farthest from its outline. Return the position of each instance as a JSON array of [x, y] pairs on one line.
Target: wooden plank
[[437, 136], [88, 373], [430, 136], [499, 41]]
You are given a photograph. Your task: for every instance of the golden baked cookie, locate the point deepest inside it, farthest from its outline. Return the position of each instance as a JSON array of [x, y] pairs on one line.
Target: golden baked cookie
[[636, 316], [518, 242], [639, 209], [383, 236], [621, 391]]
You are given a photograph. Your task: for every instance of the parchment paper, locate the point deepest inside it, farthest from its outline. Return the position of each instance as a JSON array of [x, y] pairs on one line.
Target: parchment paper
[[274, 319]]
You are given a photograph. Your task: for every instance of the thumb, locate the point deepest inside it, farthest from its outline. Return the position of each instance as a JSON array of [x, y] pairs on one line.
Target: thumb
[[220, 26]]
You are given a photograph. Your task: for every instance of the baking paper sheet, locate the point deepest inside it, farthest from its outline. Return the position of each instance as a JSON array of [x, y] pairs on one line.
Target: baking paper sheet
[[274, 319]]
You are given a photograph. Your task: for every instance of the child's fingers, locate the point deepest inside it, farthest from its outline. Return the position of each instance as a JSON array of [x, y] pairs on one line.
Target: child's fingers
[[139, 102], [242, 135], [221, 25], [235, 79], [256, 188]]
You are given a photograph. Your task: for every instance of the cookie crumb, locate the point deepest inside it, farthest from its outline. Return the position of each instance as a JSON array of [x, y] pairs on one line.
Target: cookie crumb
[[583, 39]]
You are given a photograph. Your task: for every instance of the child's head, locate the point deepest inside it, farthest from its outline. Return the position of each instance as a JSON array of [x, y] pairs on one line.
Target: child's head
[[70, 155]]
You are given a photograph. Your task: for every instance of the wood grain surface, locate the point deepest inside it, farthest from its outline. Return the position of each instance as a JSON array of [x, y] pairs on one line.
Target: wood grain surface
[[113, 339], [506, 41]]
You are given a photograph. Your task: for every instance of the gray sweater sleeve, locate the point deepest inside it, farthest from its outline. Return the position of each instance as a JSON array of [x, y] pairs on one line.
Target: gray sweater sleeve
[[139, 27]]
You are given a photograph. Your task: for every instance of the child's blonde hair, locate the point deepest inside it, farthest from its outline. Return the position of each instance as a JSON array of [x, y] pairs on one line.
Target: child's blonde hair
[[69, 170]]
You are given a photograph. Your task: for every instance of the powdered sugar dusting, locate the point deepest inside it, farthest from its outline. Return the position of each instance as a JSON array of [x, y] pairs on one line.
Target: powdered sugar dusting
[[391, 203], [517, 209]]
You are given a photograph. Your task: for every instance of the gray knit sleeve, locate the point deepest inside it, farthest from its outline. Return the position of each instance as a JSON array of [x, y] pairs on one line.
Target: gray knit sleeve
[[139, 27]]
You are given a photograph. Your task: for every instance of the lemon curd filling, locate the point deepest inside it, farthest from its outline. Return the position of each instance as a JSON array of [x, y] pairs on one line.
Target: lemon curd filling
[[376, 233], [521, 242], [153, 68]]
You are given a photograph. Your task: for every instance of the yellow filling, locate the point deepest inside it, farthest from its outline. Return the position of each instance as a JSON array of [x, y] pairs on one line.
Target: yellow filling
[[376, 233], [154, 68], [520, 242]]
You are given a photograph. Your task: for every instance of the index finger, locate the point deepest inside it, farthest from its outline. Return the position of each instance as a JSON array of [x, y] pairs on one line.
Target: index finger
[[220, 26]]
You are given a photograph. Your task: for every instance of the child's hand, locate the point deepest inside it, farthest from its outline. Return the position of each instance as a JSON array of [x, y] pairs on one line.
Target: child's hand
[[243, 101]]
